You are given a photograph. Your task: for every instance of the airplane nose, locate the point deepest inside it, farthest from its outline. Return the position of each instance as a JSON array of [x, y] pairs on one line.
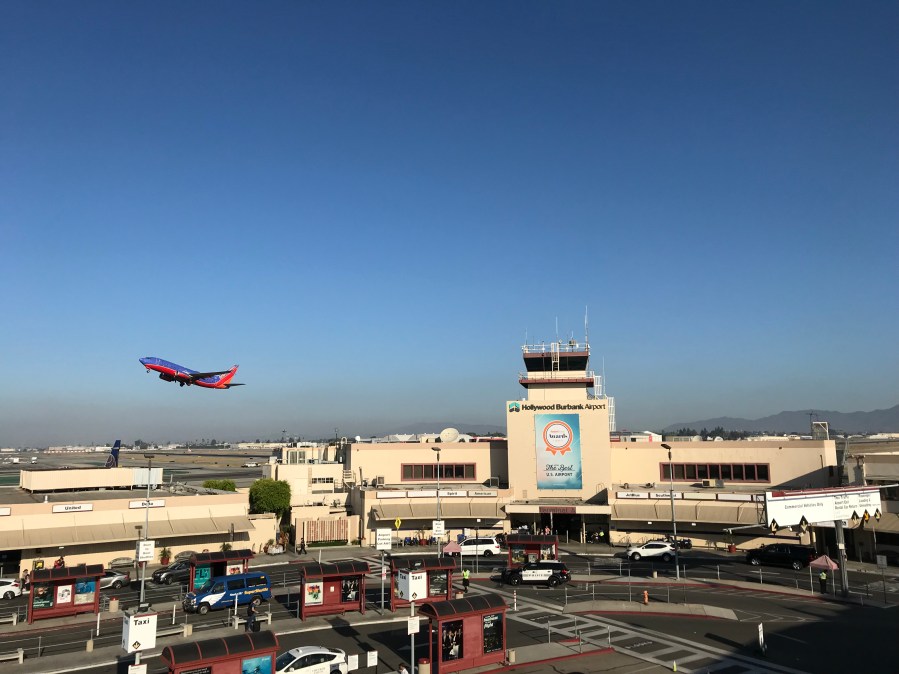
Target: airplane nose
[[143, 361]]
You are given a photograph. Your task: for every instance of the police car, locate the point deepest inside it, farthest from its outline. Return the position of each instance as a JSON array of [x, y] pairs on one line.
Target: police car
[[538, 573]]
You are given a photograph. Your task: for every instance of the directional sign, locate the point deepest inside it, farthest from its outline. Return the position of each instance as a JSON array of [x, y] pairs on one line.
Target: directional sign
[[437, 527], [819, 505], [383, 539], [803, 524], [881, 561], [412, 626], [397, 522]]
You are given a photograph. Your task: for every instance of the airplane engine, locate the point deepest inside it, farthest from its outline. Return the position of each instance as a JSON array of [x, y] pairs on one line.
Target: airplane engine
[[166, 377]]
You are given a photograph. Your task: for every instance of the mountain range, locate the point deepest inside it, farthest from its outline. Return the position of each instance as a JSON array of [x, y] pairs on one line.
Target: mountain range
[[876, 421]]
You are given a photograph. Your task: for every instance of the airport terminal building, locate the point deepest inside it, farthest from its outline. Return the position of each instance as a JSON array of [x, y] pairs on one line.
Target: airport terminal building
[[563, 468], [97, 515]]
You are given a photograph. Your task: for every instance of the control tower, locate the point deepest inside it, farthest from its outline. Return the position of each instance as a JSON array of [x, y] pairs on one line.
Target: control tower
[[559, 438]]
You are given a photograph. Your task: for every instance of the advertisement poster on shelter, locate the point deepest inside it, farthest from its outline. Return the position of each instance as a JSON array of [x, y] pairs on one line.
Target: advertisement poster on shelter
[[314, 594], [558, 440], [84, 591]]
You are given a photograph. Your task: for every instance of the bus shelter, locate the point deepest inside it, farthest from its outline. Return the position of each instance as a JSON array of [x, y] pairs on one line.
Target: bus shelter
[[330, 589], [420, 578], [525, 548], [466, 633], [64, 591], [237, 654], [206, 565]]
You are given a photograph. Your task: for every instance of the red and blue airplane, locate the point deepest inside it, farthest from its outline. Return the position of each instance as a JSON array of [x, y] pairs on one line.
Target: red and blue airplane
[[174, 372]]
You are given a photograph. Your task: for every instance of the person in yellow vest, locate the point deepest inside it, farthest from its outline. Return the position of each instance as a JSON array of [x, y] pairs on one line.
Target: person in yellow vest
[[822, 579], [466, 579]]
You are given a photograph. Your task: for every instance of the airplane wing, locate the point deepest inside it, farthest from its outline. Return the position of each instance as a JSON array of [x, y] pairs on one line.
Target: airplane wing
[[193, 376], [230, 385]]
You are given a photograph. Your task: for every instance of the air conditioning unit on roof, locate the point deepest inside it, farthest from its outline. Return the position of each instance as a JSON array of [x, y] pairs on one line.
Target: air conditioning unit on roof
[[708, 483], [379, 481]]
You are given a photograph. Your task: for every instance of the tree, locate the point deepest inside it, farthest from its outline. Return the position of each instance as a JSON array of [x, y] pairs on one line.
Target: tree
[[686, 432], [223, 485], [270, 496]]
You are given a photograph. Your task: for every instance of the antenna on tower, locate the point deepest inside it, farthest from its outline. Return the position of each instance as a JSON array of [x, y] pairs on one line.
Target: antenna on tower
[[557, 328], [586, 327]]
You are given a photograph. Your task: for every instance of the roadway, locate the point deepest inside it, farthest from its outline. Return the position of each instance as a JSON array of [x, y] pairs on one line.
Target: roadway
[[796, 625]]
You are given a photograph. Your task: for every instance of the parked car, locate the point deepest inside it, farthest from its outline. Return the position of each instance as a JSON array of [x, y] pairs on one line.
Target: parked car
[[115, 579], [304, 658], [226, 591], [782, 554], [550, 573], [486, 546], [10, 587], [661, 549], [250, 464], [176, 571]]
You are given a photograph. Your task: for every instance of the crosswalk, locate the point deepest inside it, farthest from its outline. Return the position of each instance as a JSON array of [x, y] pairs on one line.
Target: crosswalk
[[594, 631]]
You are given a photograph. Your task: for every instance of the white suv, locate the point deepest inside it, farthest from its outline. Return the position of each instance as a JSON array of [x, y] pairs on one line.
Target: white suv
[[486, 546], [652, 549]]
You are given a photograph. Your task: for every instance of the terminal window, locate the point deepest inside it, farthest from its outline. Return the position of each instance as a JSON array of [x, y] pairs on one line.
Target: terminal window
[[729, 472], [448, 471]]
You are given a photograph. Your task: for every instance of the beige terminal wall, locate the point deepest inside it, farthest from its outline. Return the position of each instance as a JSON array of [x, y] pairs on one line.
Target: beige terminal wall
[[596, 465], [371, 460], [793, 463]]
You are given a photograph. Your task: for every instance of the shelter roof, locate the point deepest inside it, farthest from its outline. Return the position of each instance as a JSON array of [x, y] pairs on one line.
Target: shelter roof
[[451, 607], [208, 649]]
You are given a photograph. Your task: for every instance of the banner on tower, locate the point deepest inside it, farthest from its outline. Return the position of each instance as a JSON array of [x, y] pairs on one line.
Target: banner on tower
[[558, 441]]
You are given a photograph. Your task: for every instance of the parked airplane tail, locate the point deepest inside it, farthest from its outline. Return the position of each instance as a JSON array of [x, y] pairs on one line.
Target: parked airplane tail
[[112, 461]]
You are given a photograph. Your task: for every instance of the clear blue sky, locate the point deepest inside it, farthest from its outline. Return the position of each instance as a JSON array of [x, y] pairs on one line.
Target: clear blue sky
[[369, 205]]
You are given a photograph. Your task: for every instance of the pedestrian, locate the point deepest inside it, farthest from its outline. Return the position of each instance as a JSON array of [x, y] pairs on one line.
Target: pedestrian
[[302, 546], [251, 617], [26, 580], [822, 579], [466, 579], [402, 670]]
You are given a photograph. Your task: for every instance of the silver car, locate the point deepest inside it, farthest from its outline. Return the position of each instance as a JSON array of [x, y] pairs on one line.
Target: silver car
[[115, 579]]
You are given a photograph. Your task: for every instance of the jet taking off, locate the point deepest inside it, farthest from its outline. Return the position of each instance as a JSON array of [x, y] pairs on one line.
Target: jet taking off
[[174, 372]]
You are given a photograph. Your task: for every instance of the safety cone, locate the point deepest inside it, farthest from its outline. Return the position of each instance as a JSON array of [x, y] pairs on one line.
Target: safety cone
[[674, 666]]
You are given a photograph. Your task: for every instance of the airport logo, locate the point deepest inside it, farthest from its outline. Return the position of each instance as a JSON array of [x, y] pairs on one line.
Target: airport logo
[[515, 407], [558, 436]]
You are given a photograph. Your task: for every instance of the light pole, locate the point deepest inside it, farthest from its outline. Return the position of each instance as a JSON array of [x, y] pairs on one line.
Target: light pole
[[673, 518], [437, 449], [477, 534], [143, 568]]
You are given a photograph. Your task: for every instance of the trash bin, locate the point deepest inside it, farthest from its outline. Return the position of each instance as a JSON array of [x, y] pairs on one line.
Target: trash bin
[[510, 656], [113, 605], [424, 666], [731, 547]]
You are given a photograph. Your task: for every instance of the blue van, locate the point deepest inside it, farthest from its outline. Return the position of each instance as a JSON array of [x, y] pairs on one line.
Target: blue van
[[220, 592]]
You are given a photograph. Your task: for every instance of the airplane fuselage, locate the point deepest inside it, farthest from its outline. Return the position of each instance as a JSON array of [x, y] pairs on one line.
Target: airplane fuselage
[[169, 371]]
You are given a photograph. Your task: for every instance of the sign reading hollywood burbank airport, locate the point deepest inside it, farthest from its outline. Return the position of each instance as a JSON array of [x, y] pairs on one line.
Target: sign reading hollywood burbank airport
[[787, 508], [558, 441]]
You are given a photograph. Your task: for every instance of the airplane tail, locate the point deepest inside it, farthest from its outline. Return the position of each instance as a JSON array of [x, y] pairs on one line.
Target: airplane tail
[[225, 381], [112, 461]]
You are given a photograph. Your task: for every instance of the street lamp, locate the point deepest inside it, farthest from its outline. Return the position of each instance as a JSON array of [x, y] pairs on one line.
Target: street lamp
[[143, 568], [477, 535], [436, 448], [673, 518]]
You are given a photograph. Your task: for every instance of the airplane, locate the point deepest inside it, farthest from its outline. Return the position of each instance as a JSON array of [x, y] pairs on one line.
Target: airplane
[[174, 372], [112, 461]]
